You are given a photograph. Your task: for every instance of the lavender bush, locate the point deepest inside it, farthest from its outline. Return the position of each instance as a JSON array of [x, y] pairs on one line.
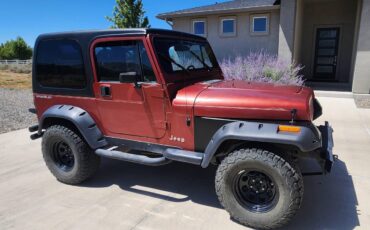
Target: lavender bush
[[263, 67]]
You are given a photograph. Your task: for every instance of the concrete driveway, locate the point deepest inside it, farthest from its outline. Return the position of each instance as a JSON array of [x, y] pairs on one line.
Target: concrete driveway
[[177, 196]]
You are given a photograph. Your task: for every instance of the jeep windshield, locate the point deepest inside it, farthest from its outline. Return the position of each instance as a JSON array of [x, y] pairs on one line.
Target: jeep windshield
[[180, 55]]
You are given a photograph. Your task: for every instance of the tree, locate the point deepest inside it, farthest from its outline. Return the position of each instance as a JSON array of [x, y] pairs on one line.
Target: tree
[[15, 49], [129, 14]]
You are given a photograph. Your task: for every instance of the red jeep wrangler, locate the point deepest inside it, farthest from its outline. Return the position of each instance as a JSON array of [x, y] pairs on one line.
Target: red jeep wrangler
[[153, 96]]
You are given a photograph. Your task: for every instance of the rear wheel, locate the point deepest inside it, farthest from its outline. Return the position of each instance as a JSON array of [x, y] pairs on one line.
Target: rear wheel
[[67, 156], [258, 188]]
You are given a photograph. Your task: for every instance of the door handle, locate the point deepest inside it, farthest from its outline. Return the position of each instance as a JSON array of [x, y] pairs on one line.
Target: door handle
[[105, 91], [335, 60]]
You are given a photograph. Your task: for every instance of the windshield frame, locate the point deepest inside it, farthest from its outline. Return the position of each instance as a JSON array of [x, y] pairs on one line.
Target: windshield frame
[[178, 75]]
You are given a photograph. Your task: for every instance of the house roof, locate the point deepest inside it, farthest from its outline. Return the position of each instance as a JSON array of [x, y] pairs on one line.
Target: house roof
[[224, 7]]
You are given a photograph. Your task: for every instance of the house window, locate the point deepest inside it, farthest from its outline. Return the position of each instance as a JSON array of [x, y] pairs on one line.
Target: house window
[[260, 24], [228, 26], [199, 27]]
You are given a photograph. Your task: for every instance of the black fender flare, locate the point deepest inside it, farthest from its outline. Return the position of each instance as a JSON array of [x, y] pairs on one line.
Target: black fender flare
[[81, 119], [306, 140]]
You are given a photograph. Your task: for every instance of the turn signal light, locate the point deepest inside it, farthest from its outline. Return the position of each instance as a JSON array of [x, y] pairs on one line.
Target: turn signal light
[[289, 128]]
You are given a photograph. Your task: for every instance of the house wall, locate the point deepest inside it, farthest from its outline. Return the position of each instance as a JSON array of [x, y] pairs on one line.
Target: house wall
[[286, 29], [182, 24], [329, 13], [298, 32], [244, 42], [361, 79]]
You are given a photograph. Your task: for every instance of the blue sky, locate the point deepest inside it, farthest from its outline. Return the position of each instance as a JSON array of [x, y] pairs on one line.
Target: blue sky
[[29, 18]]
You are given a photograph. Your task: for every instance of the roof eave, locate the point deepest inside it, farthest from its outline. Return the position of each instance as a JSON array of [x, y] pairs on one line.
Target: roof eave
[[170, 16]]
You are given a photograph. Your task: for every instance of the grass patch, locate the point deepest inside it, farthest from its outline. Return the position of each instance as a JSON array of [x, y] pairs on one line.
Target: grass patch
[[11, 80]]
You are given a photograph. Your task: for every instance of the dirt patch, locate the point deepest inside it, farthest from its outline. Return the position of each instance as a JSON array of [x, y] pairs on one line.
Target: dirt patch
[[11, 80]]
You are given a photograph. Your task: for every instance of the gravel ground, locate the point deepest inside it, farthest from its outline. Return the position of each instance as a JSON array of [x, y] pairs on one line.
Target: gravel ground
[[14, 105]]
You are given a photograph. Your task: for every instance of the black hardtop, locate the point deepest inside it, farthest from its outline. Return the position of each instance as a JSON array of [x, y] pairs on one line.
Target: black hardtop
[[84, 40], [91, 34]]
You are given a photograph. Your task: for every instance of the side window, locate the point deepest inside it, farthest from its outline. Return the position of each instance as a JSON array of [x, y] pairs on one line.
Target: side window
[[59, 64], [147, 69], [114, 58]]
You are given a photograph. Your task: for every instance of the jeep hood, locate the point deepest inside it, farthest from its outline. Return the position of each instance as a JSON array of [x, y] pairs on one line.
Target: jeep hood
[[245, 100]]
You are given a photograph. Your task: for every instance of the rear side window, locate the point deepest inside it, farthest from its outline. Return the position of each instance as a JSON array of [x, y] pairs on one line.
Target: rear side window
[[59, 64]]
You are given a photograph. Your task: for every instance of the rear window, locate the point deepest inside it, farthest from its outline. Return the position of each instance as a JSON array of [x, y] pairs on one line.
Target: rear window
[[59, 64]]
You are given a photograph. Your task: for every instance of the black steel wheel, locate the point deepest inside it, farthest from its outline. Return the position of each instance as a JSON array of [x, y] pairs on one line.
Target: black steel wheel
[[67, 156], [63, 156], [255, 191], [259, 189]]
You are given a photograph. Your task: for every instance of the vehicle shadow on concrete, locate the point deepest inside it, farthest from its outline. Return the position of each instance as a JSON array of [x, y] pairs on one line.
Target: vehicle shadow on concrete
[[175, 182], [329, 202]]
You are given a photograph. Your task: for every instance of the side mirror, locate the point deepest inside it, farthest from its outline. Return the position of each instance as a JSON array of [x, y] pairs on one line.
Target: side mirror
[[129, 77]]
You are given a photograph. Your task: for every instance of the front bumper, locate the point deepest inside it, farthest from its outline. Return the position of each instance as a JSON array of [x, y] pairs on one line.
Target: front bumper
[[327, 146]]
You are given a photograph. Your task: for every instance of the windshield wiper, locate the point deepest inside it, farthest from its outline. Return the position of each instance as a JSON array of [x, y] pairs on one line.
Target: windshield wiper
[[201, 61], [174, 62]]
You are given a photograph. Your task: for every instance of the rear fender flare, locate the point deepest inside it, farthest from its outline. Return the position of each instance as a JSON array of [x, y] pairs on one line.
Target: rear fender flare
[[306, 140], [82, 121]]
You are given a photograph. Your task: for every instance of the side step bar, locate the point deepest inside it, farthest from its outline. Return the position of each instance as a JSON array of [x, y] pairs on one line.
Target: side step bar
[[184, 156], [134, 158], [169, 155]]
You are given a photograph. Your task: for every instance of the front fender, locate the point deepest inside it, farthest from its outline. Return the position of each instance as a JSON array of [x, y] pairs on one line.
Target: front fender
[[80, 118], [306, 140]]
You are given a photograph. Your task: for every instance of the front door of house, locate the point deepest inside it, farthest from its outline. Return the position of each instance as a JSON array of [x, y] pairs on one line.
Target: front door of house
[[326, 54]]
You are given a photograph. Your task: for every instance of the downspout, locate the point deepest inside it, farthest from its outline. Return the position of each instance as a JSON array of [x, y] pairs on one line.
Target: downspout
[[355, 41], [168, 22]]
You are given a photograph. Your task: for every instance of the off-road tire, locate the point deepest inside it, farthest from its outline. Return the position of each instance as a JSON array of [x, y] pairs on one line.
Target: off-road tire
[[288, 180], [86, 163]]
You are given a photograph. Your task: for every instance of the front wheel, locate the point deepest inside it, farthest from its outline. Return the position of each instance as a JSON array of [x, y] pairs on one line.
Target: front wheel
[[258, 188], [67, 156]]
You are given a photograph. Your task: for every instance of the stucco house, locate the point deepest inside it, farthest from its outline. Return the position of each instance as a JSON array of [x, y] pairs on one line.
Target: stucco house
[[331, 38]]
